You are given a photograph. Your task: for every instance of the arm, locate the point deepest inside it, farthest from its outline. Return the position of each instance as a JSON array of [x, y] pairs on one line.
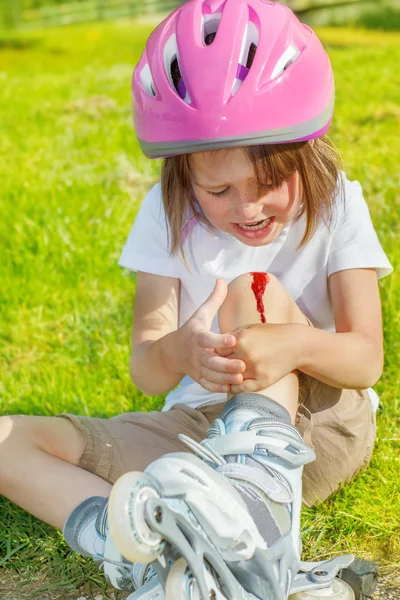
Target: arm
[[155, 334], [163, 354], [353, 356]]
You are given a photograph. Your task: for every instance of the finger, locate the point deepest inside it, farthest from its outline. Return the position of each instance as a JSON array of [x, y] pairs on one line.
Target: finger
[[224, 365], [248, 385], [216, 340], [210, 307], [226, 352], [214, 387], [223, 378]]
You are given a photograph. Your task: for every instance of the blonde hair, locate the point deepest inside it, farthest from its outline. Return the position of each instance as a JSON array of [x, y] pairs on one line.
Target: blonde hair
[[317, 163]]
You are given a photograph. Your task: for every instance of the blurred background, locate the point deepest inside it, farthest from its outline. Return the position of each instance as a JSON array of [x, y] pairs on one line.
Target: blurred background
[[34, 13], [72, 179]]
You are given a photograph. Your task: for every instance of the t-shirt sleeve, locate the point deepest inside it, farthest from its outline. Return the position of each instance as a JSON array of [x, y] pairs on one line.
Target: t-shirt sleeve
[[146, 248], [355, 244]]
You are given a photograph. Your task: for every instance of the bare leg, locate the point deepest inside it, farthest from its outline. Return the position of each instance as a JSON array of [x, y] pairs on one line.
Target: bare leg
[[38, 467], [240, 308]]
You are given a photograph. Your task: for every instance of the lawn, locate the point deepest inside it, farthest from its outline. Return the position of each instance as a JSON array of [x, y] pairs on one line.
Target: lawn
[[72, 179]]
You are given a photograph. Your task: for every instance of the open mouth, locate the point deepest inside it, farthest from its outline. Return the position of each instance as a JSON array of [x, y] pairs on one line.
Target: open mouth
[[255, 226]]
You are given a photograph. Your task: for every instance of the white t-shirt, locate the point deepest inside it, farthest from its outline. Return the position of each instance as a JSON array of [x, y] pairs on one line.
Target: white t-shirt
[[350, 242]]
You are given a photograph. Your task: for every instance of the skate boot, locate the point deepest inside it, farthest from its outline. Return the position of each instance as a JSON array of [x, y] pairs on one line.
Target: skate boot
[[225, 524]]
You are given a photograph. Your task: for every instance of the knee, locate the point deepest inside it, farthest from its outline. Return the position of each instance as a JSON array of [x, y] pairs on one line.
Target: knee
[[55, 436], [268, 286], [15, 430], [242, 304], [245, 281], [12, 442]]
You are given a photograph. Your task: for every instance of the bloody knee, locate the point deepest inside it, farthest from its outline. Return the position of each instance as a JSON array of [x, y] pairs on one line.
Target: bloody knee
[[254, 297]]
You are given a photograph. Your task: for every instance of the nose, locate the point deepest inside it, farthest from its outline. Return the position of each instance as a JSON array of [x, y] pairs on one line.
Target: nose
[[248, 208]]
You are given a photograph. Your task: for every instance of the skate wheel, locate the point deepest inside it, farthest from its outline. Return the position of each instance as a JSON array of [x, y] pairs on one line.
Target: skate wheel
[[178, 583], [126, 515], [339, 590], [181, 585]]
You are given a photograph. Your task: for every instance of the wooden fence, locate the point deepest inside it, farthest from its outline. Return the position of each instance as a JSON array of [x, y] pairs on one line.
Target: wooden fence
[[44, 13]]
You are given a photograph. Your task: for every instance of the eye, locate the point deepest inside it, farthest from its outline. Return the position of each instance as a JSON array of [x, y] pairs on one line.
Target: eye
[[223, 193], [267, 186]]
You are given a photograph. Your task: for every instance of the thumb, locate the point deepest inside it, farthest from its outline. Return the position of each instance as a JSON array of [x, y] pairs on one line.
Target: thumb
[[206, 312]]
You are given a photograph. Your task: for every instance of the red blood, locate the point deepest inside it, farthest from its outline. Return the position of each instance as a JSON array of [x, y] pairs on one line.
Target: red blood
[[260, 282]]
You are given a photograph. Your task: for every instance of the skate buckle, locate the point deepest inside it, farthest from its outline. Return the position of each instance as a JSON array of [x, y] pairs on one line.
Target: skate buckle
[[280, 446], [317, 575]]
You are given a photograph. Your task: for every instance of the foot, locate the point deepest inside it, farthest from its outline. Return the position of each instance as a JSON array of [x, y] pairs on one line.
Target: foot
[[231, 517]]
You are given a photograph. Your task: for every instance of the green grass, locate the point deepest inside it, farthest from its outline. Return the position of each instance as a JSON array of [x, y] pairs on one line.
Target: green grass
[[386, 19], [383, 15], [72, 178]]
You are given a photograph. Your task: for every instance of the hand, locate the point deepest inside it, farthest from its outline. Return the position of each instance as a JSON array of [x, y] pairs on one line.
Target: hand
[[197, 348], [270, 351]]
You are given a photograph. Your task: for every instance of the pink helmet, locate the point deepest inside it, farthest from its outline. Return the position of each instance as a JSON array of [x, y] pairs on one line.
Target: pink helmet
[[224, 73]]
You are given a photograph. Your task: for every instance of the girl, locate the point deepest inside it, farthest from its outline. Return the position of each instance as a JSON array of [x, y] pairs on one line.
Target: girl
[[256, 294]]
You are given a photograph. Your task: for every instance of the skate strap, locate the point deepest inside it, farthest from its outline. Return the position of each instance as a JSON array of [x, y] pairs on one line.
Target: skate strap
[[270, 486], [268, 443]]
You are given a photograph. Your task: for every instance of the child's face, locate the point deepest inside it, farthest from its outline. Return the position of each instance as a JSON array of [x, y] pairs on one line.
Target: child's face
[[229, 174]]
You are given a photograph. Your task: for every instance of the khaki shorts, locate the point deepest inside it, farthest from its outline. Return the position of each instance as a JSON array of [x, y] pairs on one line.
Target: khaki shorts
[[338, 424]]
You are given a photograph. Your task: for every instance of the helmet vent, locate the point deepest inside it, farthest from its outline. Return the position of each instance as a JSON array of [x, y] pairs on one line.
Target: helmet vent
[[247, 55], [288, 57], [210, 25], [173, 70], [147, 80], [251, 55]]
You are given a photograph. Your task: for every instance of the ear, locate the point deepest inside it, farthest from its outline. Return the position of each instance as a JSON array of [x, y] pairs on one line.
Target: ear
[[311, 142]]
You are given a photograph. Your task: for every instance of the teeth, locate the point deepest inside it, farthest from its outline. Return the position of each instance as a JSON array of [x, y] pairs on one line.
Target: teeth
[[260, 225]]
